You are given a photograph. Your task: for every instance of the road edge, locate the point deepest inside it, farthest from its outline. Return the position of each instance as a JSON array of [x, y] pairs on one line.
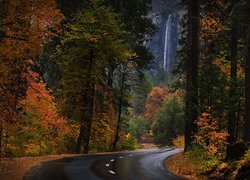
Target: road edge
[[172, 172]]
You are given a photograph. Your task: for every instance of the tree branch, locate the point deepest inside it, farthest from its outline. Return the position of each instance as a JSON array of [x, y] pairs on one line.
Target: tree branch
[[14, 38], [234, 7], [232, 10]]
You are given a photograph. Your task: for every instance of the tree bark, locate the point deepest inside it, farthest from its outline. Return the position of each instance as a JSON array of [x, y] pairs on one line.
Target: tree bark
[[79, 140], [89, 105], [233, 79], [119, 112], [247, 83], [109, 87], [192, 71], [1, 140], [87, 97], [88, 120]]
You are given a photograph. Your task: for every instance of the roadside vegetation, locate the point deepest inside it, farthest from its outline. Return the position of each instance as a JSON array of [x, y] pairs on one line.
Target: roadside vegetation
[[214, 69], [67, 77]]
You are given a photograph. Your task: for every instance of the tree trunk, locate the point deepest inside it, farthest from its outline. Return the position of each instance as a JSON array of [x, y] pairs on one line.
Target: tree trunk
[[1, 140], [88, 117], [88, 105], [87, 108], [247, 83], [79, 140], [237, 121], [233, 79], [110, 77], [192, 71], [108, 98], [86, 120], [119, 112]]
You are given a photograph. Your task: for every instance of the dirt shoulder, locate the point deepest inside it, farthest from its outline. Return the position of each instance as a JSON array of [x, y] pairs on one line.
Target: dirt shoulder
[[181, 167], [15, 168]]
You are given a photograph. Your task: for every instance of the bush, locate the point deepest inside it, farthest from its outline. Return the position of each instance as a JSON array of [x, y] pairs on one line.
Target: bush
[[130, 143], [38, 129], [179, 142], [206, 161], [210, 136], [127, 142]]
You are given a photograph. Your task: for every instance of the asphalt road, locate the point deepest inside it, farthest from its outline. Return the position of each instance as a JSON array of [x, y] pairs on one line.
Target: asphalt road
[[136, 165]]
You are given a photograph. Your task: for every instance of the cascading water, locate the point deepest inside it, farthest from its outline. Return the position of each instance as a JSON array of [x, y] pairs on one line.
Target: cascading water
[[166, 62], [165, 14]]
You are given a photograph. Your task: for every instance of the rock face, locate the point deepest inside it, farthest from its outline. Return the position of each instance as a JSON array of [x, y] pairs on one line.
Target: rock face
[[166, 15]]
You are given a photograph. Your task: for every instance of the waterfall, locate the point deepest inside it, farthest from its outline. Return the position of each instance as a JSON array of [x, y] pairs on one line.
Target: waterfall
[[166, 15], [166, 62]]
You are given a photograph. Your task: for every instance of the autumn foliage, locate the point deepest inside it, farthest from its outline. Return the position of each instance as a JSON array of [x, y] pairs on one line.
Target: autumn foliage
[[25, 26], [39, 129], [154, 102], [210, 136], [104, 121]]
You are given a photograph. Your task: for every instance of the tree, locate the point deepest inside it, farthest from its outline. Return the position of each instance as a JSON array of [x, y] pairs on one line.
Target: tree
[[192, 71], [210, 136], [233, 76], [141, 126], [139, 59], [93, 40], [134, 15], [169, 121], [140, 90], [23, 33], [120, 106], [104, 122], [154, 101], [247, 82], [40, 129], [122, 88]]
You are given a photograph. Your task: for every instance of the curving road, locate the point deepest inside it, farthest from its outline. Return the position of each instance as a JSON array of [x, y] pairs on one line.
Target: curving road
[[136, 165]]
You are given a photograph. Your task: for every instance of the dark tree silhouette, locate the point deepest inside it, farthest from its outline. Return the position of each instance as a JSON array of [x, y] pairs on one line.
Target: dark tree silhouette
[[247, 83], [192, 71]]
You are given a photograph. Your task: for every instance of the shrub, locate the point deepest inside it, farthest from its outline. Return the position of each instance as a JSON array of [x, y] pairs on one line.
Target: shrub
[[206, 161], [210, 136], [40, 130], [127, 142], [130, 143], [179, 142]]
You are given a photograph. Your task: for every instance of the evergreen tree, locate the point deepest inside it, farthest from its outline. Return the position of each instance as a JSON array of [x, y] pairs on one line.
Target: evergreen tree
[[169, 122], [192, 71], [247, 81], [93, 41]]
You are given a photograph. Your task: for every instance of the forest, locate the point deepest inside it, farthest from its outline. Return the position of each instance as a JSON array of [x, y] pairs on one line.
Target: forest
[[79, 77]]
